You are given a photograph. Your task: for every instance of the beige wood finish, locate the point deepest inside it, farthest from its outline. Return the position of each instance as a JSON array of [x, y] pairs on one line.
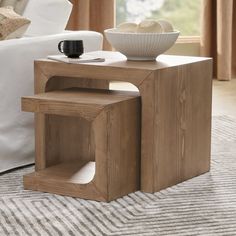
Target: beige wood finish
[[67, 148], [84, 103], [176, 93]]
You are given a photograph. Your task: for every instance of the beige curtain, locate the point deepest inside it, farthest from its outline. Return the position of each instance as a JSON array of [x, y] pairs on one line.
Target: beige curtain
[[94, 15], [219, 35]]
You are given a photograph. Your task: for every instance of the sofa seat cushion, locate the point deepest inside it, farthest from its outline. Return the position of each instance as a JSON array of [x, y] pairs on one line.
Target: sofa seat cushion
[[12, 25], [18, 5]]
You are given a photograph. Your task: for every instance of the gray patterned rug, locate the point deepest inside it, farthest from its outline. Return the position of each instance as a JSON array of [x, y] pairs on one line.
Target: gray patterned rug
[[205, 205]]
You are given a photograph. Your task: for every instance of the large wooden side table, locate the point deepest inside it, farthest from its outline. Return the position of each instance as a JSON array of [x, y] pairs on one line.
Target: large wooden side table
[[176, 95]]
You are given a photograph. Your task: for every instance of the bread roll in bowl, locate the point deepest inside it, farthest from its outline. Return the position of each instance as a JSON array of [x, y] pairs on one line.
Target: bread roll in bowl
[[149, 26], [127, 27], [166, 25]]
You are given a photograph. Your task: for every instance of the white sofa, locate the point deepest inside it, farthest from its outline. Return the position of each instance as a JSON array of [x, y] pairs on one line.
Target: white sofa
[[16, 80]]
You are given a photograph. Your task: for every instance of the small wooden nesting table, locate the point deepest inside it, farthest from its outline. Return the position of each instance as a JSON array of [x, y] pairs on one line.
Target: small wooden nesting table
[[176, 97], [91, 145]]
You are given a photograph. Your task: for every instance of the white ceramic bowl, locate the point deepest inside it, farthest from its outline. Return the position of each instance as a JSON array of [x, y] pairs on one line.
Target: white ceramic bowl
[[141, 46]]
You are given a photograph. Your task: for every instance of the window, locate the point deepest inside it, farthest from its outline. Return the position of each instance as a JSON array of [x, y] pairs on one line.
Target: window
[[183, 14]]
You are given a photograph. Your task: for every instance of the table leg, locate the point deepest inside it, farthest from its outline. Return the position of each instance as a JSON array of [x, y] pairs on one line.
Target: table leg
[[147, 92]]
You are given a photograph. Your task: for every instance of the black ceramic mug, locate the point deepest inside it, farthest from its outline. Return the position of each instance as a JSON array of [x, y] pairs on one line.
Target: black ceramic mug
[[71, 48]]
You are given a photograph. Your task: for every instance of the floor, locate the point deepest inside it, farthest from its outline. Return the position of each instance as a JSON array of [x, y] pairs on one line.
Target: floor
[[224, 98]]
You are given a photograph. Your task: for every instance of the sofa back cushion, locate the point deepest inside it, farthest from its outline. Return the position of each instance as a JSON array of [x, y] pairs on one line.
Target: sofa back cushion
[[18, 5], [47, 16], [12, 25]]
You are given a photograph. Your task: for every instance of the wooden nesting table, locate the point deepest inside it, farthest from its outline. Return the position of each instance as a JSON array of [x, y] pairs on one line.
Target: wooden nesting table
[[176, 96], [90, 143]]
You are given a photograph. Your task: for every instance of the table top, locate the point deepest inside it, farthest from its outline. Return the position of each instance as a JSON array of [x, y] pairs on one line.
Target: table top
[[116, 59], [83, 97]]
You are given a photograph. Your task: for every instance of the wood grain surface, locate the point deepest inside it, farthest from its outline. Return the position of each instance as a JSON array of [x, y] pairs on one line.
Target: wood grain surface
[[79, 127], [176, 96]]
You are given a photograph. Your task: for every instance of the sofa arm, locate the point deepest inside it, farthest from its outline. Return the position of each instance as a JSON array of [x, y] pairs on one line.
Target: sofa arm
[[92, 42], [17, 55]]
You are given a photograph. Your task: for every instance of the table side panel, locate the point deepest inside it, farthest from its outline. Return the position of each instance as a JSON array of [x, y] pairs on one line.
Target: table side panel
[[182, 131], [124, 148], [197, 148], [68, 139]]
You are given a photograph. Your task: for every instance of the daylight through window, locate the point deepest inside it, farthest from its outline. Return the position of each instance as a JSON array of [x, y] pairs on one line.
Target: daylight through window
[[184, 14]]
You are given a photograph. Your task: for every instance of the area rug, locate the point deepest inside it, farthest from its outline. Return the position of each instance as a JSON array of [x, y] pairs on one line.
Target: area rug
[[205, 205]]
